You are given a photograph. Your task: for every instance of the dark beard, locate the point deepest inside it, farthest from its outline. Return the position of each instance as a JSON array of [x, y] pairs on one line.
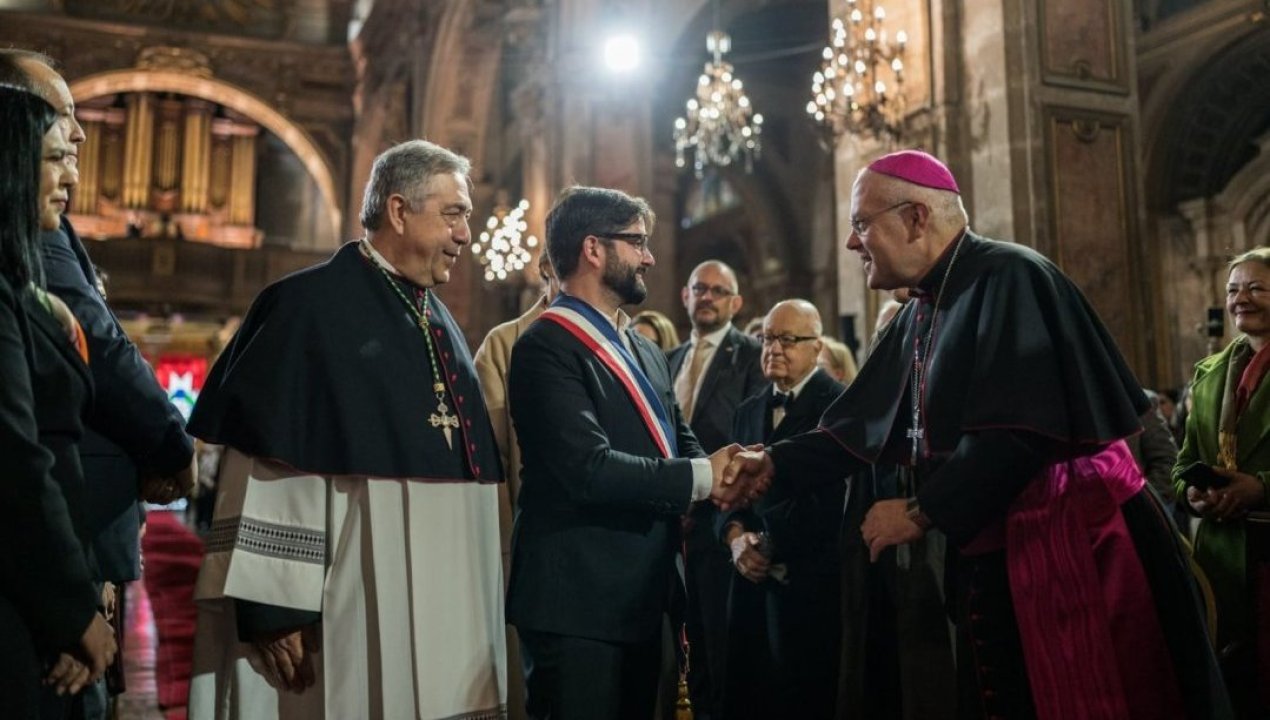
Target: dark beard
[[624, 280]]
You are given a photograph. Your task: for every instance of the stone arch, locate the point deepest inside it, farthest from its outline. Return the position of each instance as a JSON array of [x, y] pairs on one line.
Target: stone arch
[[1203, 74], [231, 96]]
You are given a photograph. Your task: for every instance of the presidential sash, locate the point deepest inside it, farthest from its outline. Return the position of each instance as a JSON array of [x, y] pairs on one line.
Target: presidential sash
[[600, 337]]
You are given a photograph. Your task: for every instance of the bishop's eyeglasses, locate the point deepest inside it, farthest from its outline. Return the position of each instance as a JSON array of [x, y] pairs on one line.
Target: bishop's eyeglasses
[[861, 225]]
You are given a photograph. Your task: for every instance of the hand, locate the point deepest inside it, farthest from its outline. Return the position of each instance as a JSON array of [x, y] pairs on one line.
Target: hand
[[886, 524], [97, 647], [108, 600], [1232, 502], [163, 490], [287, 658], [747, 557], [68, 676], [747, 476]]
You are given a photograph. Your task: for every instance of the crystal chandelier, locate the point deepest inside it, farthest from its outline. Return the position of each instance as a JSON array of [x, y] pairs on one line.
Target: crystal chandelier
[[850, 92], [720, 125], [503, 248]]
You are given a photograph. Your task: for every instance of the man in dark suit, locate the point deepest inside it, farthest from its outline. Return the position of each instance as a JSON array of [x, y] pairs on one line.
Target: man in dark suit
[[714, 372], [609, 467], [783, 613], [134, 445]]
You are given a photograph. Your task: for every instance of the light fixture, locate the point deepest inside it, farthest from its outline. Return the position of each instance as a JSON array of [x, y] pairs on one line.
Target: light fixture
[[720, 126], [503, 248], [621, 53], [849, 92]]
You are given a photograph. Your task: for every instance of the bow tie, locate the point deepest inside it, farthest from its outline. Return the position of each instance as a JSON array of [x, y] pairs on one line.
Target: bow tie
[[779, 399]]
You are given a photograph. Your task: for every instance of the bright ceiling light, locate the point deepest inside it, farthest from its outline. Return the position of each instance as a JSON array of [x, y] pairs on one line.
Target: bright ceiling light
[[621, 53]]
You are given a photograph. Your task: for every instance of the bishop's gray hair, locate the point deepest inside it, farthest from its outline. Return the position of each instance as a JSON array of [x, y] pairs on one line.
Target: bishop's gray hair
[[407, 170]]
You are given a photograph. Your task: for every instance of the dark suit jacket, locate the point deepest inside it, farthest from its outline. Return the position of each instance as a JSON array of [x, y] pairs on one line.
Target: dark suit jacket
[[734, 374], [46, 599], [803, 528], [597, 527], [783, 646], [132, 427]]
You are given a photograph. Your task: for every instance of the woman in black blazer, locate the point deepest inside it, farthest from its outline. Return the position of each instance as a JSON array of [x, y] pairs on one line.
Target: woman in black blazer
[[48, 607]]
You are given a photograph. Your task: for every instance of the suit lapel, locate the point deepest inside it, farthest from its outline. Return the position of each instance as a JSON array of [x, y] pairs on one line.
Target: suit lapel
[[48, 326], [723, 358], [646, 363], [799, 414]]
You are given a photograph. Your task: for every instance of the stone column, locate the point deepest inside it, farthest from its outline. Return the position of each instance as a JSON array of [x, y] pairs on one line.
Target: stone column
[[138, 151]]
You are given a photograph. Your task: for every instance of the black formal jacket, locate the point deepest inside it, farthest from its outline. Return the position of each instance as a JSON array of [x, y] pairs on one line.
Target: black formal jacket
[[46, 597], [132, 428], [803, 525], [734, 374], [597, 528]]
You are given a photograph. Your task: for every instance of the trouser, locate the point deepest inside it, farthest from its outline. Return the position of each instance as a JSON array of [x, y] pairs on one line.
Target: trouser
[[575, 678]]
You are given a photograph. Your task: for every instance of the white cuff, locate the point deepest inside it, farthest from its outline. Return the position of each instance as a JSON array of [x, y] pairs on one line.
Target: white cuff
[[702, 479]]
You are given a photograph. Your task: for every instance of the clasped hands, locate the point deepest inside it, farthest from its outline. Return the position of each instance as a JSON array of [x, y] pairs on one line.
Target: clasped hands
[[286, 659], [161, 490], [741, 475], [87, 662]]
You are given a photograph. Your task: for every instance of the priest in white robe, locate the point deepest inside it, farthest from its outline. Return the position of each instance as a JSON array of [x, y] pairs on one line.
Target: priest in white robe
[[353, 569]]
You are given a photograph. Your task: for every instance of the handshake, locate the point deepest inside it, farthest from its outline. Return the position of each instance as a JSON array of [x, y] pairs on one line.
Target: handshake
[[741, 475]]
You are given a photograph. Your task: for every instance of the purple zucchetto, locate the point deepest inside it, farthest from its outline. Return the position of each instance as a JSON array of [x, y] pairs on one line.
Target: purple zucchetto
[[916, 167]]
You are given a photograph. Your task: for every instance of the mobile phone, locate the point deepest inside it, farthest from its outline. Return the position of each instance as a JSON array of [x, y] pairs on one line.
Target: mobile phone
[[1202, 477]]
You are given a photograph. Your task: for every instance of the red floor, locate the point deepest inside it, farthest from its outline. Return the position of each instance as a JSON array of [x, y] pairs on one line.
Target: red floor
[[160, 630]]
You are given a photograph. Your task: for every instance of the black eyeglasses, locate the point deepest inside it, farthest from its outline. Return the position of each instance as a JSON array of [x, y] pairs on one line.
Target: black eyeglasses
[[861, 225], [637, 240], [700, 290], [786, 341]]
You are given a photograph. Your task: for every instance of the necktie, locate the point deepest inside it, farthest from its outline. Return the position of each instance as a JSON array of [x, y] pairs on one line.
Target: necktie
[[687, 390], [778, 401]]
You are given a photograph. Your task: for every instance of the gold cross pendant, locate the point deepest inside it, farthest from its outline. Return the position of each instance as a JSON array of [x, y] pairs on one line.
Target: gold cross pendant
[[445, 421]]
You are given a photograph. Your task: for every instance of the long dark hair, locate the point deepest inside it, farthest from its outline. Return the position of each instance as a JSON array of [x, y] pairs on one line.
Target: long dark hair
[[24, 119]]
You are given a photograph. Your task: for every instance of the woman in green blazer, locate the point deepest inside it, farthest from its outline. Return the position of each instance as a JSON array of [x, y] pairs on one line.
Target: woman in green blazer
[[1229, 430]]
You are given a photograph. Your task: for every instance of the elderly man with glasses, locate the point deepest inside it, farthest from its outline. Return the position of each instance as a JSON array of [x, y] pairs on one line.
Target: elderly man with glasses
[[783, 607], [1006, 403]]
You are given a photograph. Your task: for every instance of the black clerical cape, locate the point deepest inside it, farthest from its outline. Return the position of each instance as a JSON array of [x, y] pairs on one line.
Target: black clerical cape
[[329, 374], [1023, 389], [342, 503]]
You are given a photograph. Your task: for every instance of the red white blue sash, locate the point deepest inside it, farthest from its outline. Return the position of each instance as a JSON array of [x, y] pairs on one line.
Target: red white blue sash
[[600, 337]]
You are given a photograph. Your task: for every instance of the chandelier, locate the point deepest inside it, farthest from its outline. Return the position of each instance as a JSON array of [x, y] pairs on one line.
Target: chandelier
[[720, 125], [503, 248], [849, 91]]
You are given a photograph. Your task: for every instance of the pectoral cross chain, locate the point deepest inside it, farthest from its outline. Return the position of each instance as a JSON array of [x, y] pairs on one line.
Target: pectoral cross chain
[[915, 434]]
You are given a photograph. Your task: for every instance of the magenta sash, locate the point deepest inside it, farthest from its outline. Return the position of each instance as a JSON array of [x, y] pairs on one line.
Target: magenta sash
[[1091, 637]]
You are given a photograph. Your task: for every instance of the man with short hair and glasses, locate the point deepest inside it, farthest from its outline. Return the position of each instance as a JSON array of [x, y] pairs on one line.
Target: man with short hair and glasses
[[714, 372], [609, 467], [783, 612]]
